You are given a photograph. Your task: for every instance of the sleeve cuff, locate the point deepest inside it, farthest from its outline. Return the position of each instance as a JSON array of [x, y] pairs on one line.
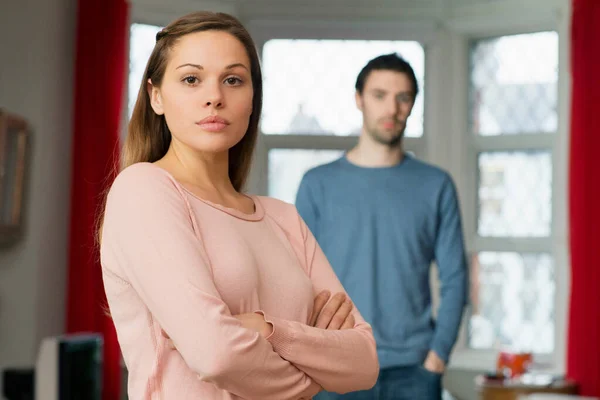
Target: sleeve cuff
[[441, 352], [282, 337]]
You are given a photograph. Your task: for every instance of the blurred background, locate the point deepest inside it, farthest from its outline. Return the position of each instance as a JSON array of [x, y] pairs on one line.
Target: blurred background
[[494, 112]]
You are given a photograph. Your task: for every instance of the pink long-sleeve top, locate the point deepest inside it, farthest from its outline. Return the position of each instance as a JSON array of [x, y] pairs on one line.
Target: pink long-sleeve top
[[177, 266]]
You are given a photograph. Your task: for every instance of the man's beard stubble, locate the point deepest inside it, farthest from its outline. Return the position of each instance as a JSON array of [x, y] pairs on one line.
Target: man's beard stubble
[[394, 141]]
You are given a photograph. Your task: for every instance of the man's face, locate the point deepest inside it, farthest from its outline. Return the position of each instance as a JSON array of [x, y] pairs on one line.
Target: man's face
[[386, 102]]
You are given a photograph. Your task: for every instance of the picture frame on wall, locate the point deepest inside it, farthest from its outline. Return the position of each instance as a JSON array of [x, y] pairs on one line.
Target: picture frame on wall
[[14, 138]]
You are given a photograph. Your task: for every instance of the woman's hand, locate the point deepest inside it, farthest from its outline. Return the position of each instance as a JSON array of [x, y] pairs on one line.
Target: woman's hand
[[332, 313]]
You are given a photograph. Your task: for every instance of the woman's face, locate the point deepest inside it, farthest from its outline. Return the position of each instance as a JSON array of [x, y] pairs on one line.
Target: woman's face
[[206, 92]]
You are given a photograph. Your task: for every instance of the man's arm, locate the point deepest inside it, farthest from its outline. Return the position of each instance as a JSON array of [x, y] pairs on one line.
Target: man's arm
[[452, 266], [307, 204]]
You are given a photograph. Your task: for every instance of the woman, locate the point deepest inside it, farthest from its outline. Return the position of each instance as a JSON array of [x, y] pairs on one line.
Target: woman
[[211, 291]]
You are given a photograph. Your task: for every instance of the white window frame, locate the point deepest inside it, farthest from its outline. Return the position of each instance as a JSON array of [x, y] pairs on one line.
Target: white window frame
[[486, 26]]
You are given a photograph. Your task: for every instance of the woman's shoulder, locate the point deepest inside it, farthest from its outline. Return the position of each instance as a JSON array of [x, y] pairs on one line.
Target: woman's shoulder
[[277, 208], [143, 178], [142, 171], [283, 213]]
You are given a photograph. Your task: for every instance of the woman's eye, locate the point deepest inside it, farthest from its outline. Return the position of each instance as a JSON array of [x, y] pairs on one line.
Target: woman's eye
[[190, 80], [233, 81]]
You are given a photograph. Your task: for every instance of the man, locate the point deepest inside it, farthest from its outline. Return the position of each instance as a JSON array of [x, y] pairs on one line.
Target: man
[[382, 217]]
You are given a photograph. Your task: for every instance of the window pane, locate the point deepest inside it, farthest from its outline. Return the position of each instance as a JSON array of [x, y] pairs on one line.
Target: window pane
[[309, 84], [515, 194], [514, 84], [142, 38], [512, 299], [287, 167]]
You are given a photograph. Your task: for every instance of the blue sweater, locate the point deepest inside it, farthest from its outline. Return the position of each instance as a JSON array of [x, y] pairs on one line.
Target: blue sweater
[[381, 229]]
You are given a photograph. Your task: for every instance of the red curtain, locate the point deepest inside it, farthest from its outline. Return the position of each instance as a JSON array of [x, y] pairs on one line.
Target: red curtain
[[583, 359], [100, 75]]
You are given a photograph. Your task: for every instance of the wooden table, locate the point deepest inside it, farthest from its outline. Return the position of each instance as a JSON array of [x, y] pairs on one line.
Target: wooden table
[[489, 390]]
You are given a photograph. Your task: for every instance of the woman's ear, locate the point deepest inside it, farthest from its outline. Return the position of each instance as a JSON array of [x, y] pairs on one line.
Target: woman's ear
[[155, 98]]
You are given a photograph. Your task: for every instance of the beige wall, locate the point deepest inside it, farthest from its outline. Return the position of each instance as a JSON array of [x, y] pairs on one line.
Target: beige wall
[[36, 75]]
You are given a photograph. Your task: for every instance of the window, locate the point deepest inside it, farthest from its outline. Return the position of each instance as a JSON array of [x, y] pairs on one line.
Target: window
[[513, 116], [309, 84], [512, 304], [515, 194], [141, 42], [514, 84], [309, 114], [287, 167]]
